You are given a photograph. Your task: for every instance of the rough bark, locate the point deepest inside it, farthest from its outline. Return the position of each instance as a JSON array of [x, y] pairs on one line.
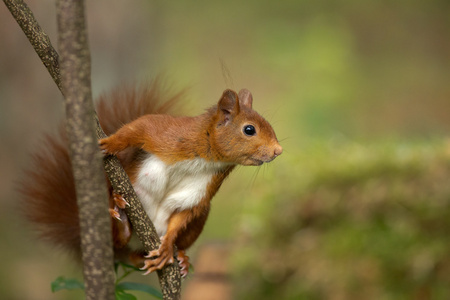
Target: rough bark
[[37, 37], [169, 277], [90, 184]]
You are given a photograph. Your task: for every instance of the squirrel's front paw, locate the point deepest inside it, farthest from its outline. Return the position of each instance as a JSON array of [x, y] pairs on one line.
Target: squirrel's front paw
[[103, 144], [157, 259], [109, 146]]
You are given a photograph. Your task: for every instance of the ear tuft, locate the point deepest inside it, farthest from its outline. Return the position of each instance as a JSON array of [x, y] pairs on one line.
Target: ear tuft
[[228, 104], [245, 98]]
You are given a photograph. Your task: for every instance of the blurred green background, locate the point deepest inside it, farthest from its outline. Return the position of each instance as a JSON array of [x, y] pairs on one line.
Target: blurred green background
[[358, 205]]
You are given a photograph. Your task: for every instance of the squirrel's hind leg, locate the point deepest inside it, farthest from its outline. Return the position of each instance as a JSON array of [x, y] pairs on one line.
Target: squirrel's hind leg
[[121, 226], [183, 262]]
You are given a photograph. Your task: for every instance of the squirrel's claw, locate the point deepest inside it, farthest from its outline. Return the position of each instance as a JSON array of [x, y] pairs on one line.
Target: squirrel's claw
[[115, 214], [120, 201], [183, 262], [157, 259]]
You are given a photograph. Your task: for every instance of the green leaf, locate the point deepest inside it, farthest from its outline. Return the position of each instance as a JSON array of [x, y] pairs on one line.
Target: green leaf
[[129, 266], [62, 283], [134, 286], [121, 295]]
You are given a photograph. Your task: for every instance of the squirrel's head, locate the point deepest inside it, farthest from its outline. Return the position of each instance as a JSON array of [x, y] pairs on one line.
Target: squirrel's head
[[241, 135]]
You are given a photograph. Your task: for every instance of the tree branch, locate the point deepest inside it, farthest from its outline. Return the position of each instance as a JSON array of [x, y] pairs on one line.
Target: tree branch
[[90, 184], [169, 277], [36, 36]]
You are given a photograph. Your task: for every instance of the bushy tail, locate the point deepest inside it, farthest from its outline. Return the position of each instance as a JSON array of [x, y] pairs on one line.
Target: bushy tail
[[48, 194], [47, 189], [129, 102]]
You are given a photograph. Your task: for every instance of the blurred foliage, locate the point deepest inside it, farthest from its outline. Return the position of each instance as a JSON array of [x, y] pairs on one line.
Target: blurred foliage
[[330, 218], [351, 221], [326, 67], [122, 288]]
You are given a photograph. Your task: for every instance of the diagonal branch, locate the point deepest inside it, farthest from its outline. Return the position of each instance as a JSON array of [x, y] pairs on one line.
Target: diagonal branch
[[169, 277], [36, 36]]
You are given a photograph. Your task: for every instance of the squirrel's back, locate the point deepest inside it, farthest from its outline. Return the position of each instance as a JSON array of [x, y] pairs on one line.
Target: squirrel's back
[[47, 187]]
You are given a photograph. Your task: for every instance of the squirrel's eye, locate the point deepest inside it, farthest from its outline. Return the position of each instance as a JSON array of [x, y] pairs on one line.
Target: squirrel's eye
[[249, 130]]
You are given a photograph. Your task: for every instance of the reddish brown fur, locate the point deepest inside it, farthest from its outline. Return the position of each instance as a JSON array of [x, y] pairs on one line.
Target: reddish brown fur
[[184, 227], [217, 135], [47, 187], [191, 229], [49, 194]]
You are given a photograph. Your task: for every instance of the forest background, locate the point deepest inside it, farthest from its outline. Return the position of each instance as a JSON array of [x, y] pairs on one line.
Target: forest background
[[357, 91]]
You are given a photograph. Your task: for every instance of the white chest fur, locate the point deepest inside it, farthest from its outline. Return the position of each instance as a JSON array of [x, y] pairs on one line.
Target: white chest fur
[[163, 188]]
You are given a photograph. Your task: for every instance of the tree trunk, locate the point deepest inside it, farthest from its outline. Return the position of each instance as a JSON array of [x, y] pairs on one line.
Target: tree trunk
[[169, 276], [90, 184]]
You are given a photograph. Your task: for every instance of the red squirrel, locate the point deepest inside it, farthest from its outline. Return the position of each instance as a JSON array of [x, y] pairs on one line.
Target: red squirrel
[[176, 166]]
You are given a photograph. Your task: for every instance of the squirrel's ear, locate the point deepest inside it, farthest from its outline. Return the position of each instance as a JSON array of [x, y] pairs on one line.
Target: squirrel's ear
[[245, 98], [229, 104]]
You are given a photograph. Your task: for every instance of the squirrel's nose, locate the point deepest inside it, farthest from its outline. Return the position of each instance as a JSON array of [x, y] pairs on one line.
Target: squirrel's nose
[[277, 150]]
